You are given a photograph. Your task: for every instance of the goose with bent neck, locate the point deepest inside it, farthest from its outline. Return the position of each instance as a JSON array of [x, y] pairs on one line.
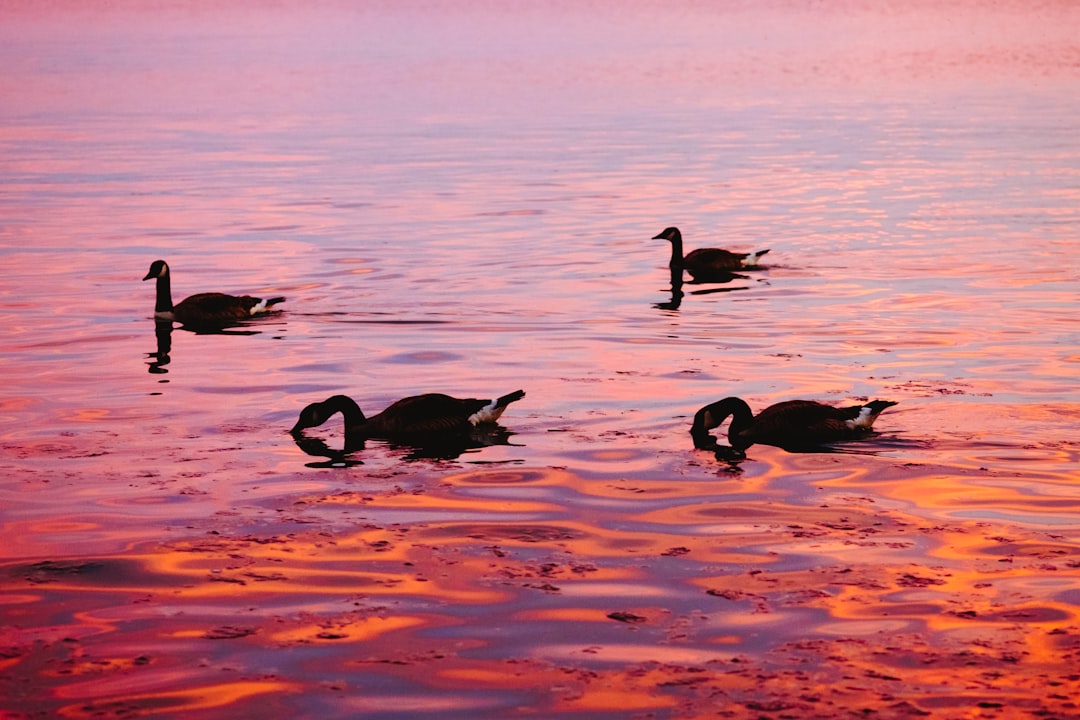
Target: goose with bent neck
[[419, 416], [793, 424]]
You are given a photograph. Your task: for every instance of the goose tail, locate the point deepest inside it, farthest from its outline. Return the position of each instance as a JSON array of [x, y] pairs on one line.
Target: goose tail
[[493, 410], [509, 398]]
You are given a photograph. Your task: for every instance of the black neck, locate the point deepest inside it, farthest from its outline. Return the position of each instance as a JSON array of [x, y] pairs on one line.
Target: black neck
[[164, 294], [354, 416], [742, 417], [676, 251], [714, 415]]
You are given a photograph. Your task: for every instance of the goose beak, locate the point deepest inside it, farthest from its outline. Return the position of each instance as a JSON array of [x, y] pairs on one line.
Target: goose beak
[[661, 236], [148, 276]]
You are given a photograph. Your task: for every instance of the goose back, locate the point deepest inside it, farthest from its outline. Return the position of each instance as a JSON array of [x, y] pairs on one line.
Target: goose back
[[706, 261], [794, 422], [219, 308], [430, 414]]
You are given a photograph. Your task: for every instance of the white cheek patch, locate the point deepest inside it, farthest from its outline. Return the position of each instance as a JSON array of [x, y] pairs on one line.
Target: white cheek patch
[[255, 309]]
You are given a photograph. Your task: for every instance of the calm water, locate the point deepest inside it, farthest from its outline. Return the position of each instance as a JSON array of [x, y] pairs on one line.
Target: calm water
[[460, 197]]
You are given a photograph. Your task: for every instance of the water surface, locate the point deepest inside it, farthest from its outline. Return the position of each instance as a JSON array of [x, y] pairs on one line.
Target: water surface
[[460, 198]]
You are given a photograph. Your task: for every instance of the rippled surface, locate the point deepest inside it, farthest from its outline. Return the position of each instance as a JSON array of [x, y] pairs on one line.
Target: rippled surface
[[460, 198]]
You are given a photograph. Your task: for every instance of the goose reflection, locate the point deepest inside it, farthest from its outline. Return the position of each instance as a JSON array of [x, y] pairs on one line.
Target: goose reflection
[[160, 358], [443, 447], [317, 447], [163, 329], [676, 292], [873, 444], [719, 278]]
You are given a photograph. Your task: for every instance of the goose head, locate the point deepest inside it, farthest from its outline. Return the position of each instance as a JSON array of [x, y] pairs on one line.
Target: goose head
[[158, 269], [671, 234], [317, 413], [705, 420]]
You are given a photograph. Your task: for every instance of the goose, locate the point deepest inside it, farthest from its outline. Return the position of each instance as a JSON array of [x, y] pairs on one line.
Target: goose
[[429, 415], [706, 263], [203, 309], [790, 425]]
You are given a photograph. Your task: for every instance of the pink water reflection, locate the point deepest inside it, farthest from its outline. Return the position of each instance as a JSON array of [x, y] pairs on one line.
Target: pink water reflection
[[460, 199]]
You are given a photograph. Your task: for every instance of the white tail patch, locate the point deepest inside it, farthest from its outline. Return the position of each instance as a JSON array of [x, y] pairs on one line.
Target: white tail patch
[[752, 259], [265, 305], [487, 414], [865, 420]]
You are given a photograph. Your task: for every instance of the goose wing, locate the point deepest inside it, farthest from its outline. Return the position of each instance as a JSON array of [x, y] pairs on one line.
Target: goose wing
[[797, 422], [429, 414], [219, 308], [714, 259], [214, 307]]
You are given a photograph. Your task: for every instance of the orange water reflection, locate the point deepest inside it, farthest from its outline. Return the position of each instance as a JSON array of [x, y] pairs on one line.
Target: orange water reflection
[[941, 607]]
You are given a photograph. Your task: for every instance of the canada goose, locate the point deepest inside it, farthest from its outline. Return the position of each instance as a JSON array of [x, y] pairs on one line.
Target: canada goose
[[706, 263], [791, 425], [427, 415], [203, 309]]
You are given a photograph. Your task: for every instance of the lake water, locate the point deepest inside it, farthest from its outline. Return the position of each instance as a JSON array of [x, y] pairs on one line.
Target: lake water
[[460, 197]]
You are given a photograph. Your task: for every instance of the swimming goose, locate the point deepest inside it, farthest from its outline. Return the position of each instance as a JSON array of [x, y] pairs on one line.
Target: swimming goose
[[705, 263], [418, 416], [791, 425], [203, 309]]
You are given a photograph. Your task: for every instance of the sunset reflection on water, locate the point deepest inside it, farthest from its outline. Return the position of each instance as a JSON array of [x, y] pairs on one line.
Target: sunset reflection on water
[[707, 596], [460, 198]]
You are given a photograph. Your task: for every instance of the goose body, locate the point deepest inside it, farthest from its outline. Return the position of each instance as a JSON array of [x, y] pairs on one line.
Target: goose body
[[705, 263], [204, 309], [427, 415], [790, 424]]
